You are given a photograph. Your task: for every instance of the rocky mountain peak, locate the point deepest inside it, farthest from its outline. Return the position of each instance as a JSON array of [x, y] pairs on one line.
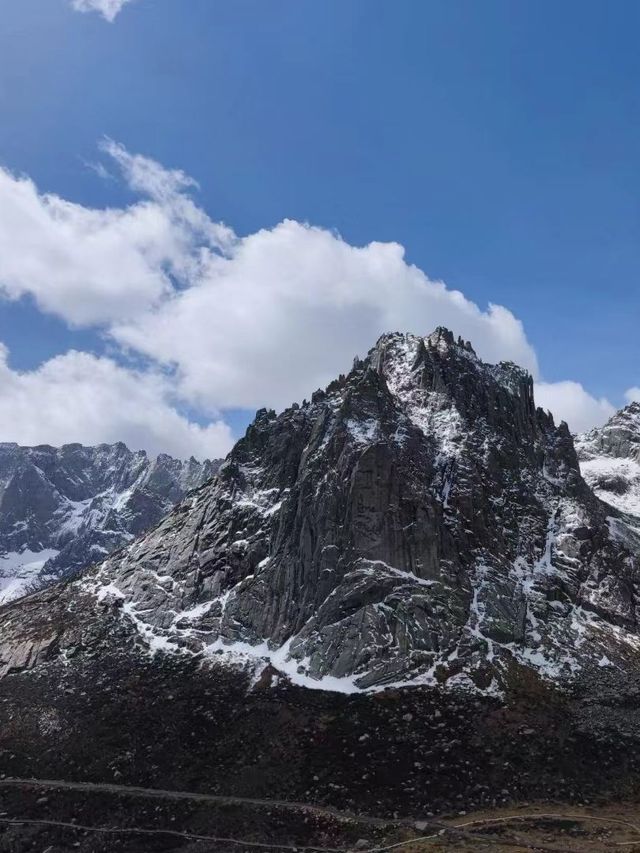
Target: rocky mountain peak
[[418, 521], [620, 436], [447, 391], [610, 459], [443, 338]]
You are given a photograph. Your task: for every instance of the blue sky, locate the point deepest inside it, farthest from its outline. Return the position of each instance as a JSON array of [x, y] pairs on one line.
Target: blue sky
[[497, 142]]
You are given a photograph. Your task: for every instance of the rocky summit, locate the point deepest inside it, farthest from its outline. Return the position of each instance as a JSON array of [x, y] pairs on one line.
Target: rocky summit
[[418, 522], [610, 460], [63, 509]]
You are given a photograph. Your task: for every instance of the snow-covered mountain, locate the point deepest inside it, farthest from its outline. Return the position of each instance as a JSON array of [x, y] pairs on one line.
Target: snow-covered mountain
[[62, 509], [417, 522], [418, 542], [610, 460]]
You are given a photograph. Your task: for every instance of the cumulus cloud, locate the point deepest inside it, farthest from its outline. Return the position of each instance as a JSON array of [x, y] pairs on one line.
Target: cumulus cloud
[[262, 319], [288, 308], [80, 397], [632, 395], [107, 8], [568, 401], [247, 321], [96, 266]]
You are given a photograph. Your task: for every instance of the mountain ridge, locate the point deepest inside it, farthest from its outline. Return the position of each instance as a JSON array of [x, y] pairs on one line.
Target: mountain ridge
[[62, 509], [610, 460]]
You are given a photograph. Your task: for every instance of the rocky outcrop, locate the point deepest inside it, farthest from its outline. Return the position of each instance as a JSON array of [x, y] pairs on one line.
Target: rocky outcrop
[[610, 460], [619, 437], [62, 509]]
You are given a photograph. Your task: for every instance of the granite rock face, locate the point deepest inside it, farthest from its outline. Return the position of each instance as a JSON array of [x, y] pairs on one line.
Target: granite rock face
[[610, 460], [63, 509], [420, 521]]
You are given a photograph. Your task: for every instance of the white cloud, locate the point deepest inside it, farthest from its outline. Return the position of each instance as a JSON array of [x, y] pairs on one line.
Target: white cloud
[[107, 8], [632, 395], [95, 266], [568, 401], [289, 307], [246, 322], [80, 397], [239, 321], [147, 176]]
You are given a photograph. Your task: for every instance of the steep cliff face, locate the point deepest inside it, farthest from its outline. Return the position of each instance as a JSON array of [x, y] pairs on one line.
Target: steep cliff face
[[62, 509], [420, 521], [610, 460]]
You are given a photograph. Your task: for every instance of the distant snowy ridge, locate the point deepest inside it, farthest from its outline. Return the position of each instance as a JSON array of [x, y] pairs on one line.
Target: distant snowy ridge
[[610, 460], [19, 569], [63, 509]]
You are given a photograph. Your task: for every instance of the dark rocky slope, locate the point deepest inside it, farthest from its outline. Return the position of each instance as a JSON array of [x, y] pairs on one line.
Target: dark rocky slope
[[173, 723]]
